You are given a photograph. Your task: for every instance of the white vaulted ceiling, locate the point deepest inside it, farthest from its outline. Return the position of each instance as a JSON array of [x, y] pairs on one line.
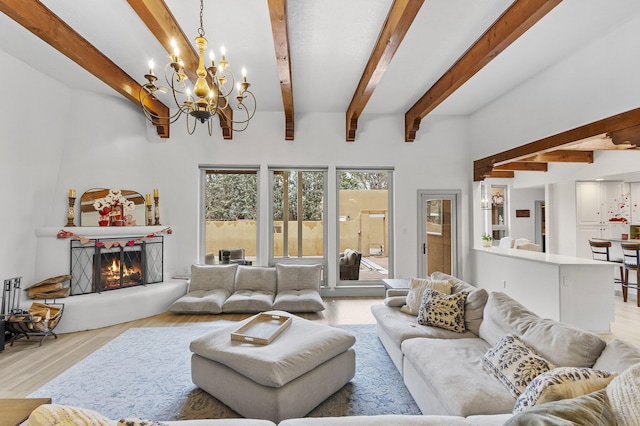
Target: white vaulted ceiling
[[330, 42]]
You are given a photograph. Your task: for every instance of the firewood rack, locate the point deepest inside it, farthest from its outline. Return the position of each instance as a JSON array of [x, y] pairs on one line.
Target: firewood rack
[[39, 320]]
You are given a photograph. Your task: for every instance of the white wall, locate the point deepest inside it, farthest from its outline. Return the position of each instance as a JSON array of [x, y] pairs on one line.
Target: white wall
[[33, 125], [106, 142], [523, 199]]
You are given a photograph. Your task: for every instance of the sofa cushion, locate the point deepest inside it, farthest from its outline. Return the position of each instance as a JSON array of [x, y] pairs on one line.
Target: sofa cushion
[[475, 303], [560, 343], [442, 310], [617, 356], [514, 363], [298, 301], [417, 286], [400, 326], [503, 315], [561, 383], [459, 382], [248, 301], [209, 277], [256, 278], [200, 302], [298, 277]]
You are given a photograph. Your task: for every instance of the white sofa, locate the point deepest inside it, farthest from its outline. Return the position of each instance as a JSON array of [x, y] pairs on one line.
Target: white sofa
[[443, 369], [215, 289]]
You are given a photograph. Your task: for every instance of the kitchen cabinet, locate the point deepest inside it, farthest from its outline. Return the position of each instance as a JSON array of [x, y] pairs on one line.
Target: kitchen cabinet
[[596, 204], [634, 201]]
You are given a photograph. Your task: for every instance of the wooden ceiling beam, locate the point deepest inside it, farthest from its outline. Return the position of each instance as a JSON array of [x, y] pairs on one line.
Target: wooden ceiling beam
[[278, 13], [400, 17], [561, 156], [163, 25], [615, 123], [630, 135], [46, 25], [501, 174], [514, 22], [523, 166]]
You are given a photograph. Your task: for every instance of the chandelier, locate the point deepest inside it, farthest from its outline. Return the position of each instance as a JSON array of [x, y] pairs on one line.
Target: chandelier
[[207, 98]]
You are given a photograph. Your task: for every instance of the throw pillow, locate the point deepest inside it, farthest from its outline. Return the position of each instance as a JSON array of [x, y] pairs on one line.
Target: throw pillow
[[442, 310], [514, 363], [56, 414], [624, 396], [587, 410], [561, 383], [417, 286]]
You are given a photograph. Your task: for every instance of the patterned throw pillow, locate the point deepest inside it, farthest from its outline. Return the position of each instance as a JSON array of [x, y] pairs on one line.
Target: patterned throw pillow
[[442, 310], [562, 383], [514, 363], [417, 286], [134, 421]]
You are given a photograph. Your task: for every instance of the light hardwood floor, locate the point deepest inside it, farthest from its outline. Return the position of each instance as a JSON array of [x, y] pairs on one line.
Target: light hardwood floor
[[25, 367]]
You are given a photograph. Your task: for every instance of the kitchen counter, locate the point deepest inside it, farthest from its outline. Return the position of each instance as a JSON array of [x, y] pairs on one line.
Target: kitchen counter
[[570, 289]]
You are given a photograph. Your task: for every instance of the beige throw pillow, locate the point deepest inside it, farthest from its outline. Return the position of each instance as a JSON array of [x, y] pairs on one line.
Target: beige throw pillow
[[417, 286], [56, 414], [561, 383]]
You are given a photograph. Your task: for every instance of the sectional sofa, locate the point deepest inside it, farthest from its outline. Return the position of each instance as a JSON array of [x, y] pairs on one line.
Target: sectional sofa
[[216, 289], [453, 373]]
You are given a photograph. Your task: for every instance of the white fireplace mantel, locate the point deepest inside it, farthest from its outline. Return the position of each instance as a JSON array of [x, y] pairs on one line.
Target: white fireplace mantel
[[101, 231], [95, 310]]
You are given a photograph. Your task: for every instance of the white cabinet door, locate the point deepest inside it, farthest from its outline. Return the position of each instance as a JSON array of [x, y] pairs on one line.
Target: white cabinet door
[[635, 202], [612, 197], [588, 203], [584, 234]]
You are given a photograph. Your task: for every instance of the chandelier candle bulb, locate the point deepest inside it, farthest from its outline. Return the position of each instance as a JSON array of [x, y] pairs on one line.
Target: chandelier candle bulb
[[151, 67]]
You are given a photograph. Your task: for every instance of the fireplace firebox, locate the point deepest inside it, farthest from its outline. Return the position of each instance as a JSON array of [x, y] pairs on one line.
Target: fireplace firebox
[[102, 265]]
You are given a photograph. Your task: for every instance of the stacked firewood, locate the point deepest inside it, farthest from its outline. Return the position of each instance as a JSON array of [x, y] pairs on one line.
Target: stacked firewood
[[51, 288]]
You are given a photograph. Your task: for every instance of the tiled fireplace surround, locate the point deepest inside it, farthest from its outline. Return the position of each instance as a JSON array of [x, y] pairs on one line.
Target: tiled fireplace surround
[[95, 310]]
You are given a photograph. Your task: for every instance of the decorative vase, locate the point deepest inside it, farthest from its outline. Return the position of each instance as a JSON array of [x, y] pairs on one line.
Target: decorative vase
[[486, 243], [103, 223]]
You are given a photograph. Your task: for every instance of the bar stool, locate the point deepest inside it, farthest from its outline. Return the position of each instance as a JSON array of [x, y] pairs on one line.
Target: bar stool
[[600, 251], [631, 253]]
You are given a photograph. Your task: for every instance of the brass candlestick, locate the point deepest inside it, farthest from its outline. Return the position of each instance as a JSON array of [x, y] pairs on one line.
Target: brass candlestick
[[70, 215], [157, 210], [149, 220]]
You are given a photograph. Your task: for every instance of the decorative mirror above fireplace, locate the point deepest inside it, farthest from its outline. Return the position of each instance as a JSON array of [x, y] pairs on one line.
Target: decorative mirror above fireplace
[[89, 216]]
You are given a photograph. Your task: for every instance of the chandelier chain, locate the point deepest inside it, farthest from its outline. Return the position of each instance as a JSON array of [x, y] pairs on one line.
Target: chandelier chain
[[201, 29]]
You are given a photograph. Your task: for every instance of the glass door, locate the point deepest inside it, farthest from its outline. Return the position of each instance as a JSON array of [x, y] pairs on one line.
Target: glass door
[[438, 230]]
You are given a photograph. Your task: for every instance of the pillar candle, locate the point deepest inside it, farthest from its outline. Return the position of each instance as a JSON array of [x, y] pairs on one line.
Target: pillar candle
[[155, 192], [72, 193], [148, 199]]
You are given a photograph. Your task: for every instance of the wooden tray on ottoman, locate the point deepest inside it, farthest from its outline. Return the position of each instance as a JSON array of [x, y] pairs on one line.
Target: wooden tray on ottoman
[[262, 329]]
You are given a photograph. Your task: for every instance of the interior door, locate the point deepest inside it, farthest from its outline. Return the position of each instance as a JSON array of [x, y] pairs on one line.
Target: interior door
[[438, 232]]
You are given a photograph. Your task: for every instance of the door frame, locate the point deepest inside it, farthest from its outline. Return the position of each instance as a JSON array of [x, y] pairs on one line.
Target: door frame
[[455, 196]]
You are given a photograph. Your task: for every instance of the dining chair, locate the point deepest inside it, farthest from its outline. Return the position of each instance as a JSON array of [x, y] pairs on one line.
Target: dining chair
[[601, 250], [631, 253]]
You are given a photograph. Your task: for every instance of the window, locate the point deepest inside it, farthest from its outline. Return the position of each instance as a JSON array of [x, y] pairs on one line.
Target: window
[[297, 214], [364, 225], [230, 212]]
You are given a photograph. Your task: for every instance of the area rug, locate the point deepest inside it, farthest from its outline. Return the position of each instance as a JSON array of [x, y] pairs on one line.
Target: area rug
[[146, 373]]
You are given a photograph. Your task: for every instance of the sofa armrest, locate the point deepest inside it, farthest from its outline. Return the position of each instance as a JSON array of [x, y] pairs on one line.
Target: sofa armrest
[[392, 292]]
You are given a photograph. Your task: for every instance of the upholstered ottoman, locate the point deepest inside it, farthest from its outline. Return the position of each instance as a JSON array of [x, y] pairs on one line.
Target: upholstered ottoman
[[286, 378]]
